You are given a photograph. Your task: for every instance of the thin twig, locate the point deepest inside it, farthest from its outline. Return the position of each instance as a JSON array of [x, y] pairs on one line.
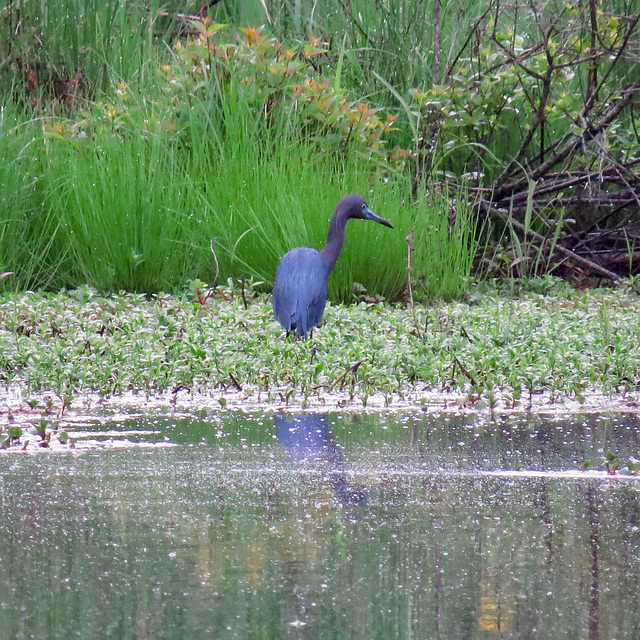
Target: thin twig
[[465, 371], [341, 379], [410, 249]]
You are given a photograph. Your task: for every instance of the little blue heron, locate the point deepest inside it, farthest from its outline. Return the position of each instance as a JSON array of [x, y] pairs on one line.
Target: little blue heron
[[300, 290]]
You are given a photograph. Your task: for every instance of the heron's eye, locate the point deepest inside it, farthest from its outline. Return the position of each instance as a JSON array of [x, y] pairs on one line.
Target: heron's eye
[[364, 206]]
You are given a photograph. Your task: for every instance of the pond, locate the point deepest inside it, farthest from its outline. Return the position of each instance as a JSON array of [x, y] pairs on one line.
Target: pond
[[374, 526]]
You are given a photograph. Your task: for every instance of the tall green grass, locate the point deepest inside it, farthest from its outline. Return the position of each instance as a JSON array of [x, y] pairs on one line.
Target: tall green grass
[[123, 205], [142, 213], [98, 38], [262, 209], [148, 199], [26, 242]]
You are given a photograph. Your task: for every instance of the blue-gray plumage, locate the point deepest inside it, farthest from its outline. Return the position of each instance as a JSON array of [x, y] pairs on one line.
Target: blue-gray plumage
[[300, 290]]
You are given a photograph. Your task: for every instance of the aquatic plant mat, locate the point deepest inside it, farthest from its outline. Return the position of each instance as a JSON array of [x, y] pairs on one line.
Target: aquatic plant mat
[[539, 347]]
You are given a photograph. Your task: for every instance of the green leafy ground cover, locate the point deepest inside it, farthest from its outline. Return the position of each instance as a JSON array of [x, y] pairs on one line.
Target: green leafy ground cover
[[566, 343]]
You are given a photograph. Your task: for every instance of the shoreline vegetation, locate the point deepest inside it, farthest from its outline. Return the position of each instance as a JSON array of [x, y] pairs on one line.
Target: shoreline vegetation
[[145, 147], [497, 349]]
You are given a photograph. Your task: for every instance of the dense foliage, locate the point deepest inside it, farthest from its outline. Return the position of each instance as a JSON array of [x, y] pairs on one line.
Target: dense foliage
[[145, 146]]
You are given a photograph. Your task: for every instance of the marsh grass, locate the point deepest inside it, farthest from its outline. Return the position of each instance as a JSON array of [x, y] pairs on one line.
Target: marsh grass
[[255, 207], [265, 190], [26, 244], [98, 38], [121, 207], [140, 201]]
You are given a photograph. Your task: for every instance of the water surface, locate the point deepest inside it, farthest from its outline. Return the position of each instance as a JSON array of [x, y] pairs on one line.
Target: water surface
[[220, 525]]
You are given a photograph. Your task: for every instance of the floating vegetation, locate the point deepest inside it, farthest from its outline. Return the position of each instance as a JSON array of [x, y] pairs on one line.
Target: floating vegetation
[[494, 350]]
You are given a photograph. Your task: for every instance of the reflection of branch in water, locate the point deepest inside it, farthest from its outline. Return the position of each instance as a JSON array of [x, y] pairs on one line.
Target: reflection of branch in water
[[437, 575], [545, 516], [594, 531], [307, 439]]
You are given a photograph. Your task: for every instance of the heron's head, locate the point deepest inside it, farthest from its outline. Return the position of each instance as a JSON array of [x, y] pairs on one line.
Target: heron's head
[[353, 206]]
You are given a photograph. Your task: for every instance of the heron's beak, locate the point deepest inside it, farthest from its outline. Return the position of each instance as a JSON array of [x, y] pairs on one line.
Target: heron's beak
[[372, 216]]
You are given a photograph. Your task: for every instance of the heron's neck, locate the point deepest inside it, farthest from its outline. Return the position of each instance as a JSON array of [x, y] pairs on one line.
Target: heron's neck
[[335, 238]]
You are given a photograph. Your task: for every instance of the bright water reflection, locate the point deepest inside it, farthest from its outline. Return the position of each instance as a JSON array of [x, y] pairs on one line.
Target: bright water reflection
[[329, 527]]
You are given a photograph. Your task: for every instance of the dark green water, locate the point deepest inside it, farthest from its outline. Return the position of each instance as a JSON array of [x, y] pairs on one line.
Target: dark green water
[[363, 527]]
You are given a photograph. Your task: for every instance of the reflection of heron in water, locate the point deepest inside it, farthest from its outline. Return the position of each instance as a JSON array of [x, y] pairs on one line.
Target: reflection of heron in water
[[307, 439]]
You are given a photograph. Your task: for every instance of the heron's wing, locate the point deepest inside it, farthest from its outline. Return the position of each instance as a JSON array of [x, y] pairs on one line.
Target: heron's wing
[[300, 290]]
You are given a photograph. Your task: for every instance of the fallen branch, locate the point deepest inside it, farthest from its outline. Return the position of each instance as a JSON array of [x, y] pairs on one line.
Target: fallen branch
[[504, 215]]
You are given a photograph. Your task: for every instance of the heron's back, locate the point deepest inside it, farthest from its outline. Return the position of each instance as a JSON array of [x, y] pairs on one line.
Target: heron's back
[[300, 290]]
